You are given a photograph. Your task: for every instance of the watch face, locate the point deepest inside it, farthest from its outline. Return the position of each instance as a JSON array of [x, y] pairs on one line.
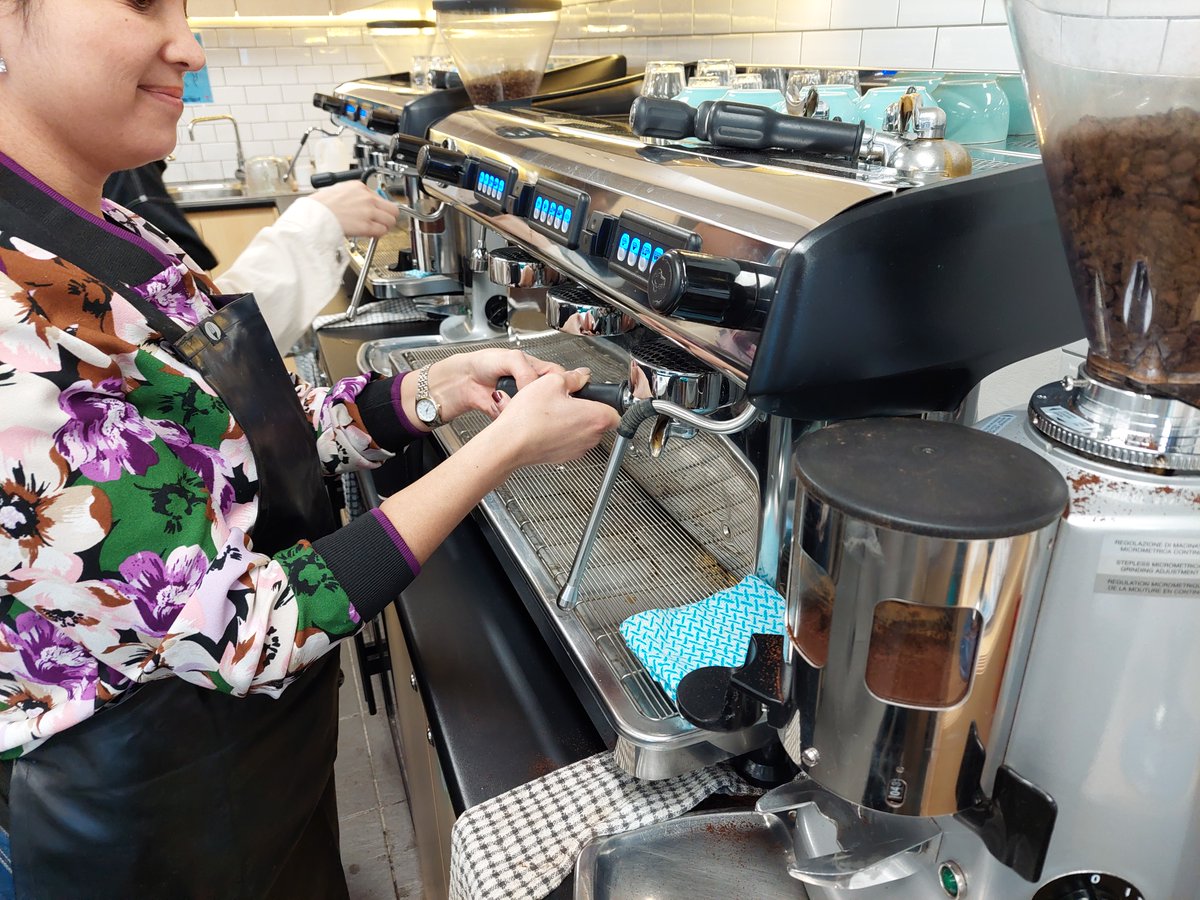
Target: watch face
[[427, 411]]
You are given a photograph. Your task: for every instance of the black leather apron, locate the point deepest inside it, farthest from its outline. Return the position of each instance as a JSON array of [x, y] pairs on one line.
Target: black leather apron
[[175, 791]]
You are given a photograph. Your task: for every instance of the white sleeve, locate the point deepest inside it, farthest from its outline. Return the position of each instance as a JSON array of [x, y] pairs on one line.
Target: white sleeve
[[293, 267]]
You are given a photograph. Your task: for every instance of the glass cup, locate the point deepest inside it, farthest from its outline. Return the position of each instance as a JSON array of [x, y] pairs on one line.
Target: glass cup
[[747, 81], [663, 78], [841, 76], [419, 71], [794, 92], [700, 88], [721, 69]]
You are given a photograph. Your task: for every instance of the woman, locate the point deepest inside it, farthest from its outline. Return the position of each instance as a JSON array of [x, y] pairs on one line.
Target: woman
[[170, 580]]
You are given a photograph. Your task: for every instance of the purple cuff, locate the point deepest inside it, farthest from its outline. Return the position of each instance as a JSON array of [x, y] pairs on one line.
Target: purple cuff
[[386, 524], [398, 408]]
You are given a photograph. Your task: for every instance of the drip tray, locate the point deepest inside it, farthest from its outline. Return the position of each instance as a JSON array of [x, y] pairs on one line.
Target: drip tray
[[678, 528], [715, 856]]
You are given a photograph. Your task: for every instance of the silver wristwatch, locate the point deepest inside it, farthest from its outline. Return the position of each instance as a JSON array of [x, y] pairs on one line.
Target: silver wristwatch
[[429, 411]]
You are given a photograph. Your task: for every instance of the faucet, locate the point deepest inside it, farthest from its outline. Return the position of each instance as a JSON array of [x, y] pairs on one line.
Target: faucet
[[240, 174], [303, 140]]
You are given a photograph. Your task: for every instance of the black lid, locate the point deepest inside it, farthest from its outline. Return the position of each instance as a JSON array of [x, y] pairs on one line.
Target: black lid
[[930, 478], [497, 6], [401, 23]]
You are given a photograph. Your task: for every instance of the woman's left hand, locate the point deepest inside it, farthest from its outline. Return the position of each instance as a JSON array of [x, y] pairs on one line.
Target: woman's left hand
[[467, 381]]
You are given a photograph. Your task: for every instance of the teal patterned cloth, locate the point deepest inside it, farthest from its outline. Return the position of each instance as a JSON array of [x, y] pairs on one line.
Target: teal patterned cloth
[[714, 631]]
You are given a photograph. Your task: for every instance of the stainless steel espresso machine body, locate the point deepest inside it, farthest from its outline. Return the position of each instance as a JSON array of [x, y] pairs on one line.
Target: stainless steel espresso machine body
[[708, 275]]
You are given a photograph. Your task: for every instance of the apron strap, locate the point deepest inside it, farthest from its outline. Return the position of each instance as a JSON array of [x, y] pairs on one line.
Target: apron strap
[[110, 255]]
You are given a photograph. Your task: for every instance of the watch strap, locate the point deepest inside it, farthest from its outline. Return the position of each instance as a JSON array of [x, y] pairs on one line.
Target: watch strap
[[423, 394]]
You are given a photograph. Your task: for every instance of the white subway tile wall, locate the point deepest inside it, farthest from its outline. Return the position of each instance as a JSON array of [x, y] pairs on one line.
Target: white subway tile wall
[[265, 77]]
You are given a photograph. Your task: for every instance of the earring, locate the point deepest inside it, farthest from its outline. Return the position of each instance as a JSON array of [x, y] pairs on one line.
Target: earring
[[3, 66]]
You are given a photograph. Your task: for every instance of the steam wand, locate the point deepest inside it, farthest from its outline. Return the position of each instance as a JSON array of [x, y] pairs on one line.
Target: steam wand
[[324, 179], [640, 411]]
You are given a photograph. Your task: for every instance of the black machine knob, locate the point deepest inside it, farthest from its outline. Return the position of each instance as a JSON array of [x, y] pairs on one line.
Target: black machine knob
[[406, 149], [327, 102], [697, 287], [656, 118], [383, 121], [747, 126], [439, 164]]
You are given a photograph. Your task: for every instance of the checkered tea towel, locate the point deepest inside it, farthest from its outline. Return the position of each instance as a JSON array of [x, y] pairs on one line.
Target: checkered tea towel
[[714, 631], [522, 844]]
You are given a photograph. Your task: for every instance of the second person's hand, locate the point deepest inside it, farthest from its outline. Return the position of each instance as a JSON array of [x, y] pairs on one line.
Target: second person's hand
[[359, 210]]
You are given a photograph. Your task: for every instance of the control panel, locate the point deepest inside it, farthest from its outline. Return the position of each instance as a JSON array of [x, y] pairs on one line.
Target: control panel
[[558, 212], [493, 182], [638, 242]]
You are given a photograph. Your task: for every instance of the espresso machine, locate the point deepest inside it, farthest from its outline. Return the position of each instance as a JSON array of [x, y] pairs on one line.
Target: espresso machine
[[423, 267], [674, 267]]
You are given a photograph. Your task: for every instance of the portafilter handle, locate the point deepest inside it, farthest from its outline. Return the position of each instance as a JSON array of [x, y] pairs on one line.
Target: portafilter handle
[[747, 126], [611, 393]]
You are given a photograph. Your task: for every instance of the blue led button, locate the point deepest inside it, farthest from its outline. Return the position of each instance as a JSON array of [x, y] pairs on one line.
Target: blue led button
[[623, 247], [658, 252], [644, 259], [634, 246], [566, 225], [558, 211], [537, 207]]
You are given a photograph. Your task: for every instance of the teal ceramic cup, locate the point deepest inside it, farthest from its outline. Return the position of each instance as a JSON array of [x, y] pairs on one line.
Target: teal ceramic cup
[[1020, 116], [694, 96], [768, 97], [927, 80], [976, 108], [874, 103], [842, 99]]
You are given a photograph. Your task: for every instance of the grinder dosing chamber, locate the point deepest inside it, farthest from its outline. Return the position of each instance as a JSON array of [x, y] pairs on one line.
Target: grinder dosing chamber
[[918, 555]]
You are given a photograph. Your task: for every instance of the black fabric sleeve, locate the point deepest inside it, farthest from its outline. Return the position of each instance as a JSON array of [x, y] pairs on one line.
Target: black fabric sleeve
[[377, 408], [369, 563]]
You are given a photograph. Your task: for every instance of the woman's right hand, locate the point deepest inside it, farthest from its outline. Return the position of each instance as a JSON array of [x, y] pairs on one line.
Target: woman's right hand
[[544, 424]]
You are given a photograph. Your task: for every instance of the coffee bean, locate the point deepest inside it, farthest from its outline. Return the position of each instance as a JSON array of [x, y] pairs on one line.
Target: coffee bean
[[512, 85], [1128, 195]]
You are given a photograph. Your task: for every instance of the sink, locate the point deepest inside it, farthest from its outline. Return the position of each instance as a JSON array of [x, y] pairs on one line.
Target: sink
[[205, 190]]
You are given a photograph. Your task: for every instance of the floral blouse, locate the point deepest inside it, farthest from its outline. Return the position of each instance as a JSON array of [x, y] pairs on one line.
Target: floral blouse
[[127, 497]]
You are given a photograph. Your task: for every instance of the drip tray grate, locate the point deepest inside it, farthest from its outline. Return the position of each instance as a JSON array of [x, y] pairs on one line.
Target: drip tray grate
[[677, 528]]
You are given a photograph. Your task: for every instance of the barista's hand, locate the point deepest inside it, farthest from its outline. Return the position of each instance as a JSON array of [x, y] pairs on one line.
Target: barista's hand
[[359, 210], [467, 381], [544, 424]]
